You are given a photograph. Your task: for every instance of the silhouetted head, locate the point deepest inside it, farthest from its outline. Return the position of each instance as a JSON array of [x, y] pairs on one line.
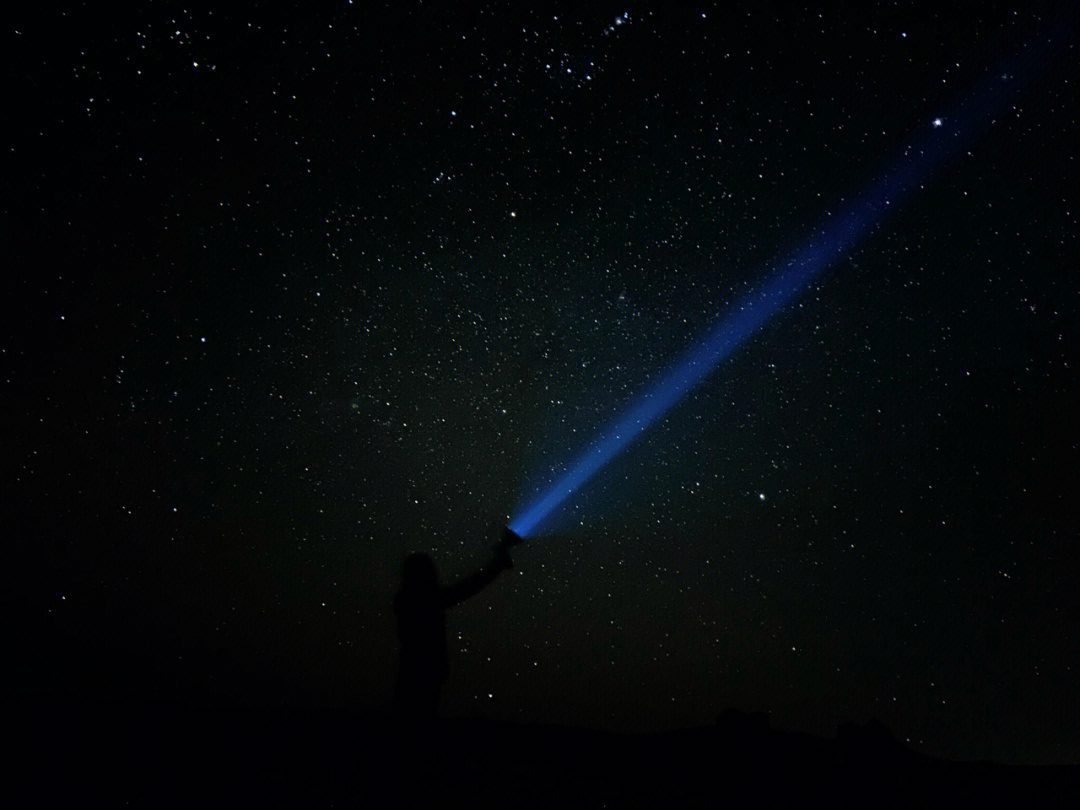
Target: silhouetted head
[[419, 573]]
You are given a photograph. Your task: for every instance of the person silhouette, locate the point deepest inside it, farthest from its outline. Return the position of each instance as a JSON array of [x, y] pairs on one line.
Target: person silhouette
[[420, 607]]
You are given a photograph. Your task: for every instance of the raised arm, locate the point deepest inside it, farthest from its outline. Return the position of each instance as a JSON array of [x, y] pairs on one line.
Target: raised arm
[[471, 585]]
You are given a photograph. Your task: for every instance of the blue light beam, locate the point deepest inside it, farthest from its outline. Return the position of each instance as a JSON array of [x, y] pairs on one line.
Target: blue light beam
[[941, 138]]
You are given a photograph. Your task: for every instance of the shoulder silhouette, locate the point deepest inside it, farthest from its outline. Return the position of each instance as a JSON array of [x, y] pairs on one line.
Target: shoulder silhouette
[[420, 609]]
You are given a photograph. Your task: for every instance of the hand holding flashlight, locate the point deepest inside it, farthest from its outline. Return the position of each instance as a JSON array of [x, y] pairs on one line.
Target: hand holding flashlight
[[502, 550]]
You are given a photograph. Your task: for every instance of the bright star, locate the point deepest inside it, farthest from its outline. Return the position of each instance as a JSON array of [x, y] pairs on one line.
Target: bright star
[[937, 122]]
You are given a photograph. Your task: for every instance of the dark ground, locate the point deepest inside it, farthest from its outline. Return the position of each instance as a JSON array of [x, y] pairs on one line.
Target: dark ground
[[170, 755]]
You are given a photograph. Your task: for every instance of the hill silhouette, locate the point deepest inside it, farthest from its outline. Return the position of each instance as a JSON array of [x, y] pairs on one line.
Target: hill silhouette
[[71, 753]]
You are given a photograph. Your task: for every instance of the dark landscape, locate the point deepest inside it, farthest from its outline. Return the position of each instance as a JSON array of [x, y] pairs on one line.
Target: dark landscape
[[169, 755]]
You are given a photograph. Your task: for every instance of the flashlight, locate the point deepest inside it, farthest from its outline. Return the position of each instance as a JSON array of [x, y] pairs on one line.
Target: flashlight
[[510, 538]]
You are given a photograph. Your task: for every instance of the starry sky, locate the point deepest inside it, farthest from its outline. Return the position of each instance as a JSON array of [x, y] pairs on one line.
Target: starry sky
[[292, 296]]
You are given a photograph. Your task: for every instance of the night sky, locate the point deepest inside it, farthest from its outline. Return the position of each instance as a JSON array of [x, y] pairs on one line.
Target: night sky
[[290, 297]]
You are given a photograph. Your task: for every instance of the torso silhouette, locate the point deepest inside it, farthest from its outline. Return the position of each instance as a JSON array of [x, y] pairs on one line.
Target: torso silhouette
[[420, 607]]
